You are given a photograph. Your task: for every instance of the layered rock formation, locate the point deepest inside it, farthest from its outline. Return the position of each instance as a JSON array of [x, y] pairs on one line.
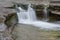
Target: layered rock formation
[[7, 17], [6, 3], [55, 6]]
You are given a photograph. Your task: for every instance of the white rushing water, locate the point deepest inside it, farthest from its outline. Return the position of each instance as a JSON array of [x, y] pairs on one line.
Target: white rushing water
[[29, 17], [26, 15]]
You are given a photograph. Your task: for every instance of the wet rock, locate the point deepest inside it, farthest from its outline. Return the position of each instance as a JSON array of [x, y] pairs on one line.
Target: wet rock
[[6, 14], [11, 19], [7, 21]]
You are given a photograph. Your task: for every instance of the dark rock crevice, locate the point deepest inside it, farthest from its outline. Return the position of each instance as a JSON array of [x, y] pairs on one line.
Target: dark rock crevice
[[11, 19]]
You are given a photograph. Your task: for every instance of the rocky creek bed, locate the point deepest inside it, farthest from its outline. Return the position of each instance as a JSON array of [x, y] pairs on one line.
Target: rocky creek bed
[[29, 32], [16, 31]]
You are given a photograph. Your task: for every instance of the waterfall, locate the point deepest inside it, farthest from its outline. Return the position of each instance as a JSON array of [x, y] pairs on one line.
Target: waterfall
[[26, 15], [29, 17], [45, 14], [31, 13]]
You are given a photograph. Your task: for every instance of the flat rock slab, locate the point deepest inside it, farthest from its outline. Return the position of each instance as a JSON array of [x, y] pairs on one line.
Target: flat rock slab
[[29, 32], [54, 12]]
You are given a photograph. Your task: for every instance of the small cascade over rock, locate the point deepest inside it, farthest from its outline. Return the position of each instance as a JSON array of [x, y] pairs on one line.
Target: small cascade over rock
[[26, 15], [29, 17], [45, 13]]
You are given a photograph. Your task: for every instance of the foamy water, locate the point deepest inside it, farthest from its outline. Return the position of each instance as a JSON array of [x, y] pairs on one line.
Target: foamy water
[[43, 25]]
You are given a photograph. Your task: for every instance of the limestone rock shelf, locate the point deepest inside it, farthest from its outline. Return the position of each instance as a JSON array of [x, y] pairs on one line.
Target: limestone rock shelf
[[55, 12], [6, 15], [55, 3]]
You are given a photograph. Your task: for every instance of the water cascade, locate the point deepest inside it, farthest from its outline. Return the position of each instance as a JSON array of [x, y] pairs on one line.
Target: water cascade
[[26, 15], [45, 14], [29, 17]]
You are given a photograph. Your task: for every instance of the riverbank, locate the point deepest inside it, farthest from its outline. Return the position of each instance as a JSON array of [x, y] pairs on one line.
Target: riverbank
[[29, 32]]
